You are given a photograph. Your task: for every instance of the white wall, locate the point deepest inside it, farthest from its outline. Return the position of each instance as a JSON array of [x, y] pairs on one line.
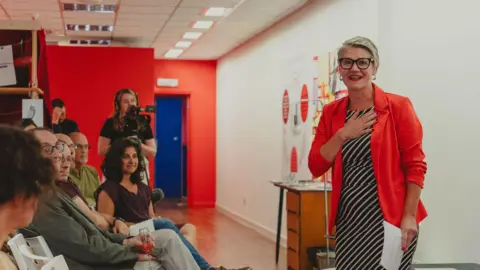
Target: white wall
[[250, 84], [429, 51]]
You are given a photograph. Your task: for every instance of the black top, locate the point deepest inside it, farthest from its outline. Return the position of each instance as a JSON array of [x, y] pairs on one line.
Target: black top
[[108, 131], [129, 206], [66, 127]]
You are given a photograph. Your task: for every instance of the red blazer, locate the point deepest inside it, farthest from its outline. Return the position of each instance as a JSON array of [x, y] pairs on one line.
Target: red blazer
[[396, 147]]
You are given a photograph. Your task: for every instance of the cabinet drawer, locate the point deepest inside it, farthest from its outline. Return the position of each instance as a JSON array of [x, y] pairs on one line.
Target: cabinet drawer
[[293, 201], [293, 222], [293, 241], [292, 260]]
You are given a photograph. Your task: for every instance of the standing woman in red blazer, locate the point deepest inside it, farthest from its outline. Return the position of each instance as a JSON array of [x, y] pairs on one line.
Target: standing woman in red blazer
[[373, 142]]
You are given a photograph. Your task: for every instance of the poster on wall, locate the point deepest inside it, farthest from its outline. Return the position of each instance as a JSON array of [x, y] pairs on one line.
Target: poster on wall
[[33, 109], [329, 88], [297, 117]]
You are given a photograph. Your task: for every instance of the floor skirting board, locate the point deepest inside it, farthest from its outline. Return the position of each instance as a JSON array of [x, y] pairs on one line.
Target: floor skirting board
[[267, 233]]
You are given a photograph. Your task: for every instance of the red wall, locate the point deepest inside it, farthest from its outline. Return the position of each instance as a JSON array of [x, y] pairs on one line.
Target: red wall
[[87, 78], [197, 80]]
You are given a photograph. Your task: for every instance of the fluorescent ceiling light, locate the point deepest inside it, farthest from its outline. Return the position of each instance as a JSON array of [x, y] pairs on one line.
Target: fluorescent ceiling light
[[216, 12], [173, 53], [192, 35], [90, 42], [183, 44], [202, 24], [99, 8], [89, 27]]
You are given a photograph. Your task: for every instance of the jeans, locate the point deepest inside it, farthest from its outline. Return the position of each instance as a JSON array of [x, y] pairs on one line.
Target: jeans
[[163, 223]]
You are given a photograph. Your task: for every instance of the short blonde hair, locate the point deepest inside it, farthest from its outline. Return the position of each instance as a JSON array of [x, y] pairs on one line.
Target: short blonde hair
[[364, 43]]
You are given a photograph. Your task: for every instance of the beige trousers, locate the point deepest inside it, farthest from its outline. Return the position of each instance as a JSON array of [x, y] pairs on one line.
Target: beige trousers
[[175, 255]]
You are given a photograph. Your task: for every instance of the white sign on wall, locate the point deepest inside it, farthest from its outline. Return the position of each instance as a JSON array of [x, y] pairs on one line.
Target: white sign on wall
[[33, 109], [7, 70]]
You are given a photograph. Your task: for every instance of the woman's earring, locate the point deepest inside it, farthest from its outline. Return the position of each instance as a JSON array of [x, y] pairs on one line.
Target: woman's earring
[[341, 78], [374, 77]]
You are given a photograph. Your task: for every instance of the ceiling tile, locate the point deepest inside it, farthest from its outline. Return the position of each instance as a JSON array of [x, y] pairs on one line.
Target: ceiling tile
[[145, 9], [150, 2], [209, 3], [88, 18], [142, 17]]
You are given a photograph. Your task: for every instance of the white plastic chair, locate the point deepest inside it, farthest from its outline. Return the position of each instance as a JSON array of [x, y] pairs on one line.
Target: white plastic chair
[[30, 254], [57, 263]]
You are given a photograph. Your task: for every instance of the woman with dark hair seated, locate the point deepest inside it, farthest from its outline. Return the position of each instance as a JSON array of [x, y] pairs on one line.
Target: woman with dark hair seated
[[123, 195]]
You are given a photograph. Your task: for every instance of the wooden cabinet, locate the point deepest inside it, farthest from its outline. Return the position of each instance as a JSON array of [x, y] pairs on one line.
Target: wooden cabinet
[[305, 226]]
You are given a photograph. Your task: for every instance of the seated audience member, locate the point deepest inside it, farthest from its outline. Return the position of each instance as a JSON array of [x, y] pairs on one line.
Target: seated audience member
[[69, 232], [68, 143], [60, 123], [24, 174], [27, 124], [64, 182], [123, 195], [83, 175]]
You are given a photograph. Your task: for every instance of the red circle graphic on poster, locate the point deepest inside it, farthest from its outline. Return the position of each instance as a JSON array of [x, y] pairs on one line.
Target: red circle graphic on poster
[[285, 106], [294, 160], [304, 103]]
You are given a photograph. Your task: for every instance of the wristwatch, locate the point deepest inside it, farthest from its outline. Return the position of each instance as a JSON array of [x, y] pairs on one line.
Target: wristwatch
[[115, 220]]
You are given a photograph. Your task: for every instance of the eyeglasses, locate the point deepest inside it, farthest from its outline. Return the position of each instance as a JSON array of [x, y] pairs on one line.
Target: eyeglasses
[[66, 159], [48, 149], [56, 159], [72, 146], [82, 146], [362, 63]]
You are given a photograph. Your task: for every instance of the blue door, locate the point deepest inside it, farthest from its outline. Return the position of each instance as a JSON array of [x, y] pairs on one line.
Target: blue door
[[169, 158]]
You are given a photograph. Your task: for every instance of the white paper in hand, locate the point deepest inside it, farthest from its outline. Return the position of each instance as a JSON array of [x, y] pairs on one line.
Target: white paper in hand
[[392, 247], [135, 229]]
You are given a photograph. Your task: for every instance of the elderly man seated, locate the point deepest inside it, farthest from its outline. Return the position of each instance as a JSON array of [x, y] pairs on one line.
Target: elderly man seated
[[70, 232], [83, 175], [87, 180]]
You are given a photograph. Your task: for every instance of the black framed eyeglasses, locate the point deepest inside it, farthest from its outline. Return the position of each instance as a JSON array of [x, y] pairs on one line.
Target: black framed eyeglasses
[[48, 149], [362, 63], [66, 159], [72, 146]]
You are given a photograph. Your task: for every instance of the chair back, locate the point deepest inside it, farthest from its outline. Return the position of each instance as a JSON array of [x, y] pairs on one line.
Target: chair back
[[31, 253], [57, 263]]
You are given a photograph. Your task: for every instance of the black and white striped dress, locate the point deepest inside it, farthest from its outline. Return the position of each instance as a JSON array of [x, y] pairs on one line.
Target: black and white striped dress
[[360, 219]]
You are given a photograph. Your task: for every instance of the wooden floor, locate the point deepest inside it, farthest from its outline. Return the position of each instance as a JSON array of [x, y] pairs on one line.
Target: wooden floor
[[223, 241]]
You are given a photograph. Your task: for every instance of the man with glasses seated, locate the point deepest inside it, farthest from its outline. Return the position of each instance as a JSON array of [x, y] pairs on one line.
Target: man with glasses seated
[[68, 231]]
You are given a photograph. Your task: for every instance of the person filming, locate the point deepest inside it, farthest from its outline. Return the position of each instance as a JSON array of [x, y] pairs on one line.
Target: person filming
[[125, 123]]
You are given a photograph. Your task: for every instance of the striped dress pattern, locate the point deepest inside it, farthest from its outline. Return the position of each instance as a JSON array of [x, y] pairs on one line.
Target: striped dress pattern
[[359, 235]]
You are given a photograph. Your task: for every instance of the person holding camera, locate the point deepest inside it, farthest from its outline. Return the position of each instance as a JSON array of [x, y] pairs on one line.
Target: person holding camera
[[126, 123]]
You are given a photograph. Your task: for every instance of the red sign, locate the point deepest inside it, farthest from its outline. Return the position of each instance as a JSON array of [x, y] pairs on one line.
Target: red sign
[[304, 103], [294, 160]]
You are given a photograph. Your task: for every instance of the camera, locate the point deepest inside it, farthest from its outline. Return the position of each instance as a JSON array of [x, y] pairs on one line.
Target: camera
[[136, 117]]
